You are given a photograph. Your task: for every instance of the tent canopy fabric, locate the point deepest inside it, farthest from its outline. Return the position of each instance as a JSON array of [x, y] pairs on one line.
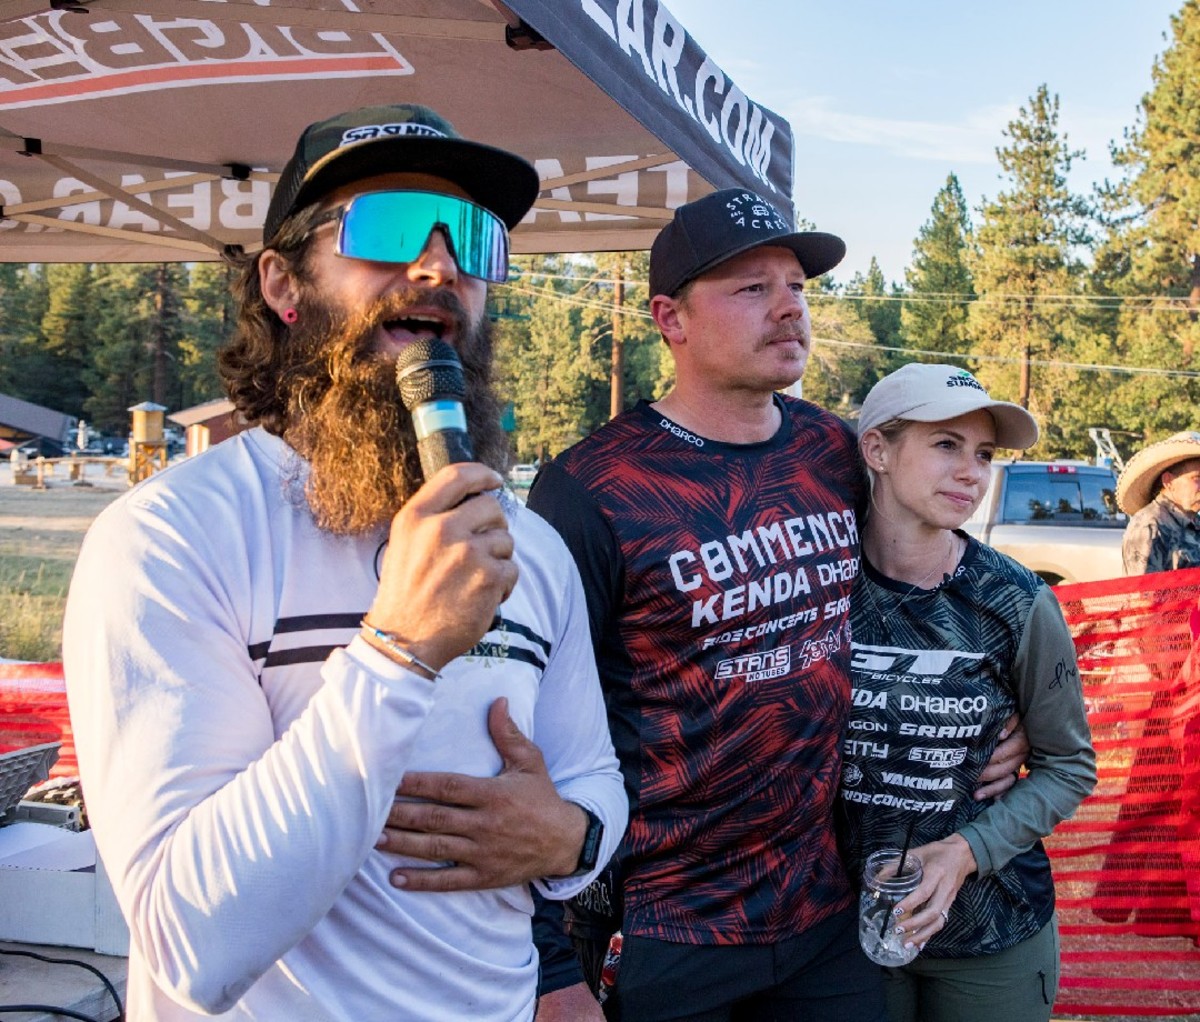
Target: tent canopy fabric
[[23, 420], [152, 130]]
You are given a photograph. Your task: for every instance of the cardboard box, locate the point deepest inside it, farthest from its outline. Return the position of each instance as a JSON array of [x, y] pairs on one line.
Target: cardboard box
[[53, 890]]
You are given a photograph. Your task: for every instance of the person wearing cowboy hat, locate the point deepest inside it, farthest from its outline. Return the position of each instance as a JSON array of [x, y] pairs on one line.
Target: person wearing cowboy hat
[[1160, 490]]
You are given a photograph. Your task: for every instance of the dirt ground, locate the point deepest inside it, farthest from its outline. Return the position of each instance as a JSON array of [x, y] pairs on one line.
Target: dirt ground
[[60, 508], [40, 535], [47, 526]]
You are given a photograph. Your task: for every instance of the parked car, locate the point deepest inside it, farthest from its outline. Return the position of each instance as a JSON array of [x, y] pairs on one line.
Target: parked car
[[114, 446], [1058, 518], [522, 475]]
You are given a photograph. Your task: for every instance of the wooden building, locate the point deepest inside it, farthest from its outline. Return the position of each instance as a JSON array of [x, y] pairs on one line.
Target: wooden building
[[207, 424]]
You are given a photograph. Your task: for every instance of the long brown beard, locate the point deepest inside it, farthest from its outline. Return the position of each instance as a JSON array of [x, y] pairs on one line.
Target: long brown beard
[[345, 416]]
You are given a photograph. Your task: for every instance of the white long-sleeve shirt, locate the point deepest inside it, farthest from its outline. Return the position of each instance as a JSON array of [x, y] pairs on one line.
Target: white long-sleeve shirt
[[240, 747]]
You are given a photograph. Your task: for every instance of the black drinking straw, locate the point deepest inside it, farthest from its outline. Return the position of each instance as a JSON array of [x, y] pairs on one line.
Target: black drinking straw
[[886, 918], [904, 851]]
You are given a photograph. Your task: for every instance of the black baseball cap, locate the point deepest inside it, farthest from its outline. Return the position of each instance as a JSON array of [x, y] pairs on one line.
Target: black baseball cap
[[404, 137], [723, 224]]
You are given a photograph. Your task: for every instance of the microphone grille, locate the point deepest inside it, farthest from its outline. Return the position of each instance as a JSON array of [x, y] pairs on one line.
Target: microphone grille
[[429, 369]]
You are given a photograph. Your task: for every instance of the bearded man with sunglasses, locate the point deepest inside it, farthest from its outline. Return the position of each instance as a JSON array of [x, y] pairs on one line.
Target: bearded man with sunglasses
[[277, 649]]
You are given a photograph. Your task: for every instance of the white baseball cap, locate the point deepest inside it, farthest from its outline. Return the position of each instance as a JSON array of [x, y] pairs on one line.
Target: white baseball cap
[[920, 392]]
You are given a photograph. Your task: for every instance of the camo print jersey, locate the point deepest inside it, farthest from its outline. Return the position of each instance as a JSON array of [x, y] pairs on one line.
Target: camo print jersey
[[935, 674], [1162, 536], [718, 579]]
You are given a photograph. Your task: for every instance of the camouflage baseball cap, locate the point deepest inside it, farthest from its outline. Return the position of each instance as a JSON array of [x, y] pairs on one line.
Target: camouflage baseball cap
[[404, 137]]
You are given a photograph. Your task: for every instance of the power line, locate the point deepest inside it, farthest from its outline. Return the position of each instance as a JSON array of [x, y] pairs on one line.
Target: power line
[[907, 296], [1051, 363], [1166, 303], [1163, 303], [625, 310], [583, 303]]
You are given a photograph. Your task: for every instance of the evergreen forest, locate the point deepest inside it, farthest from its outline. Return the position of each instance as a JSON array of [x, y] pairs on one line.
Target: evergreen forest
[[1083, 307]]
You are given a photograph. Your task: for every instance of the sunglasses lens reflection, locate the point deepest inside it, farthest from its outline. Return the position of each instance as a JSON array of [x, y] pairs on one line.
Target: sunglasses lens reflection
[[394, 227]]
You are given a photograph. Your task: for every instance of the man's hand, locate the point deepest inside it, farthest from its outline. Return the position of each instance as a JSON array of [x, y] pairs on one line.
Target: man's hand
[[570, 1004], [1000, 772], [448, 566], [497, 831]]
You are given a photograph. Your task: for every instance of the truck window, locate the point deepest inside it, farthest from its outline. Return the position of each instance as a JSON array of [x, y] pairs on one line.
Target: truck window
[[1100, 500], [1025, 503], [1061, 498]]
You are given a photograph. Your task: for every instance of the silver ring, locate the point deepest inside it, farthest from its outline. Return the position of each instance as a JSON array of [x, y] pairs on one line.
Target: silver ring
[[945, 916]]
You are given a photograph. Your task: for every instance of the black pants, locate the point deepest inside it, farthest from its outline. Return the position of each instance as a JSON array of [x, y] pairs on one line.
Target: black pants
[[818, 976]]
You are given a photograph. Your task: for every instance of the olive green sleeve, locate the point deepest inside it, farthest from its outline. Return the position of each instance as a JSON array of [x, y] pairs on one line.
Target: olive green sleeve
[[1062, 762]]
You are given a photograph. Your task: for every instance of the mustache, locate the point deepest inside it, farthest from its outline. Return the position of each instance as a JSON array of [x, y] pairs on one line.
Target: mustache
[[783, 332], [344, 407], [399, 304]]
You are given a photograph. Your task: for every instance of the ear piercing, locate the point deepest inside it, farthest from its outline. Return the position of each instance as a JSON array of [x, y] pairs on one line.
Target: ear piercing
[[290, 316]]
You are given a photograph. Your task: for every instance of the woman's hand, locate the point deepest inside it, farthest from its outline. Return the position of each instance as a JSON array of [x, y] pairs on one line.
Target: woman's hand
[[945, 865]]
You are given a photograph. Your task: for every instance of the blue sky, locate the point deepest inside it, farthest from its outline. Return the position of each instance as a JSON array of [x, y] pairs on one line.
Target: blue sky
[[886, 98]]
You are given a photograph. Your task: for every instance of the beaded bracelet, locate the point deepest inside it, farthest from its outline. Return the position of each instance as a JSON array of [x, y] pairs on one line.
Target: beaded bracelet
[[391, 643]]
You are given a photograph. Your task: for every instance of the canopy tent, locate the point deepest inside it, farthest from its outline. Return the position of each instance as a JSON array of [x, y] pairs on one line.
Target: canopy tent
[[152, 130]]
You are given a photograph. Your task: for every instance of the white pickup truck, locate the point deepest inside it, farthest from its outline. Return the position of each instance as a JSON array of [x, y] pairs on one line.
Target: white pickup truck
[[1058, 518]]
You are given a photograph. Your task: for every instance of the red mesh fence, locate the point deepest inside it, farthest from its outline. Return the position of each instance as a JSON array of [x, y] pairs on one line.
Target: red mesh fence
[[1127, 866], [33, 710]]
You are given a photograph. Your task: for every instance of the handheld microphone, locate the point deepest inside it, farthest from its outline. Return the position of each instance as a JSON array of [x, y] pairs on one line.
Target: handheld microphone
[[430, 378]]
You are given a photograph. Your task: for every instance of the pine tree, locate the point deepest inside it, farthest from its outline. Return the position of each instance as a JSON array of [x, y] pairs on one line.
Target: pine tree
[[68, 331], [642, 346], [165, 312], [24, 297], [845, 359], [877, 304], [1164, 153], [207, 325], [940, 286], [137, 329], [1027, 261], [555, 368], [1152, 254], [117, 375]]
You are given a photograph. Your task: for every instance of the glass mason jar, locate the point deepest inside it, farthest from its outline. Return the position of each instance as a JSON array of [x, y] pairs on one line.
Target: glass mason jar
[[882, 891]]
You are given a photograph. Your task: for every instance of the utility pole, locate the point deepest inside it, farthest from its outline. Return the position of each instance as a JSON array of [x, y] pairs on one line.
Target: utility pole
[[1023, 399], [1025, 384], [158, 329], [617, 388]]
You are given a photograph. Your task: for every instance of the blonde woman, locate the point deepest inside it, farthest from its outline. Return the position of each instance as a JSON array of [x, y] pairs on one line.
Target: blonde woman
[[950, 638]]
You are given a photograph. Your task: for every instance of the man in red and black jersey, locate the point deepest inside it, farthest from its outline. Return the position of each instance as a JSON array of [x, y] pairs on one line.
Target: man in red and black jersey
[[717, 536]]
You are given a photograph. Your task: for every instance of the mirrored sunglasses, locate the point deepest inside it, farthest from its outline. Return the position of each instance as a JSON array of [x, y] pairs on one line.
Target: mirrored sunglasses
[[394, 227]]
